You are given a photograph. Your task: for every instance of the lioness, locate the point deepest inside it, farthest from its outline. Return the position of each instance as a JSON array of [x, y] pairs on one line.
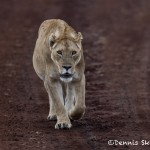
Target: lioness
[[58, 60]]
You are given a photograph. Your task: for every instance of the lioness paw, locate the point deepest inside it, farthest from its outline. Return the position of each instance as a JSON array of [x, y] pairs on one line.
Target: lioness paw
[[63, 125], [52, 117]]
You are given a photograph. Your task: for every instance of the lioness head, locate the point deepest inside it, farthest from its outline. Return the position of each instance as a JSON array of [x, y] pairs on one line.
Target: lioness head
[[66, 54]]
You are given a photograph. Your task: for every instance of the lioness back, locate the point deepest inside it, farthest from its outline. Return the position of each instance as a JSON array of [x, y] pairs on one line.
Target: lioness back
[[55, 25]]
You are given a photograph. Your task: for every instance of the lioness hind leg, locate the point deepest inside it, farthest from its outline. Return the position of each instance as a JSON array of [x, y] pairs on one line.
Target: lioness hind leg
[[52, 111], [51, 117]]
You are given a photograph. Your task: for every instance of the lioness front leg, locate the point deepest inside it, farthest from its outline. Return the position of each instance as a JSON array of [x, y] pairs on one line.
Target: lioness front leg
[[78, 110], [70, 97], [55, 93]]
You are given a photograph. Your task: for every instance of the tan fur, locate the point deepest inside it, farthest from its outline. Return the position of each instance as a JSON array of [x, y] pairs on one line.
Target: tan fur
[[66, 94]]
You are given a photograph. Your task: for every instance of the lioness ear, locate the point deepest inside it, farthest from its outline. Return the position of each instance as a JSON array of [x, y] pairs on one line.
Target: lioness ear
[[52, 39], [80, 38]]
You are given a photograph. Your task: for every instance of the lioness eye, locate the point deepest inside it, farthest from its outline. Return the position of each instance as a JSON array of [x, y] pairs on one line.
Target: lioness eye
[[59, 52], [74, 52]]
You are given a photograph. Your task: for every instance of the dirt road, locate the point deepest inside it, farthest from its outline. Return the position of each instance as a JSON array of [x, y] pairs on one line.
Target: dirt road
[[117, 54]]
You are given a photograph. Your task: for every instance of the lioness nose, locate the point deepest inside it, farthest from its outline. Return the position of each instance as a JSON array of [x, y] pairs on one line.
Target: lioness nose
[[66, 67]]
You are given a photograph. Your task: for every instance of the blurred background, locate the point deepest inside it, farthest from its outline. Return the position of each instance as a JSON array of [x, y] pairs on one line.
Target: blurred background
[[117, 55]]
